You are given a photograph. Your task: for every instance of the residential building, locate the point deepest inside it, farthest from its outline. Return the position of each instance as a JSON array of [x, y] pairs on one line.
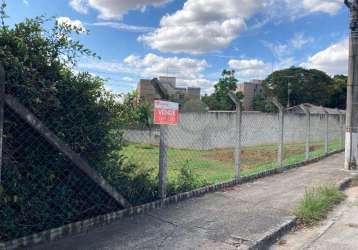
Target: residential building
[[250, 90], [165, 88]]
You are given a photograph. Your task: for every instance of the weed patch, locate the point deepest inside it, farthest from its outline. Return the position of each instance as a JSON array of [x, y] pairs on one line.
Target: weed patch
[[316, 203]]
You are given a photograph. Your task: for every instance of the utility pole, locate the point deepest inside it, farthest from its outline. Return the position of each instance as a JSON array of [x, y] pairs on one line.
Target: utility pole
[[351, 147]]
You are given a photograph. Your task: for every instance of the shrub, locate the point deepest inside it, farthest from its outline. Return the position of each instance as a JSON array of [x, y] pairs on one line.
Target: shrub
[[186, 180]]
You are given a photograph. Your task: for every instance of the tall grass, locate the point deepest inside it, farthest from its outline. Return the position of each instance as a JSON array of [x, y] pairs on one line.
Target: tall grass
[[317, 202]]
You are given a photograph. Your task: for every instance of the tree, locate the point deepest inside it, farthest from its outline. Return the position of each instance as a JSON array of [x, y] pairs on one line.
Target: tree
[[135, 113], [219, 100], [193, 105], [338, 92], [260, 103], [300, 85]]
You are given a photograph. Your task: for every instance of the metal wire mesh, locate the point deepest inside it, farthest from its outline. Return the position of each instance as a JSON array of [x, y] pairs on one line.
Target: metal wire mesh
[[203, 144], [295, 126], [259, 142], [41, 189], [317, 135], [335, 132]]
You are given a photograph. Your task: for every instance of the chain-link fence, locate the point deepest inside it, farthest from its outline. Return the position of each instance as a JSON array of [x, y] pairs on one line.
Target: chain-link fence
[[56, 164], [66, 154], [212, 147]]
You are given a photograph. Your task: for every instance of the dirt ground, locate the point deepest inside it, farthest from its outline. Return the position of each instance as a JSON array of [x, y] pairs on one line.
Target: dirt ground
[[256, 156]]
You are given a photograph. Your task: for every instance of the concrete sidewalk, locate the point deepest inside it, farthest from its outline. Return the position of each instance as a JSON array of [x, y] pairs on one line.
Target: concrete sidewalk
[[338, 231], [231, 219]]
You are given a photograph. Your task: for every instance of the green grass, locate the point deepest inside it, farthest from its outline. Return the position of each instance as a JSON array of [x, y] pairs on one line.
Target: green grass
[[218, 165], [316, 203]]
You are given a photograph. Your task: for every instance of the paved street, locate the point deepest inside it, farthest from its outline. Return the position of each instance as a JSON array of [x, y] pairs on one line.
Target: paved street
[[233, 218]]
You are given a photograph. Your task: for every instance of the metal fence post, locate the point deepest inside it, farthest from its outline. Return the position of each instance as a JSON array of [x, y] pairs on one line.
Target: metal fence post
[[280, 153], [308, 131], [238, 132], [2, 107], [163, 161]]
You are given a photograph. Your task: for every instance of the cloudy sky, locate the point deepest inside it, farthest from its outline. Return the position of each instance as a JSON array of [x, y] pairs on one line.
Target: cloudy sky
[[195, 40]]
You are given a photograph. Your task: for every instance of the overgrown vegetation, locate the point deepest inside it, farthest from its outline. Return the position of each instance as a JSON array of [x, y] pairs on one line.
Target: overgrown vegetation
[[135, 113], [317, 202]]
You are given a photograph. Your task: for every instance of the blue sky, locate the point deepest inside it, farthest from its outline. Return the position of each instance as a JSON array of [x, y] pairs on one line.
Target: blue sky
[[195, 40]]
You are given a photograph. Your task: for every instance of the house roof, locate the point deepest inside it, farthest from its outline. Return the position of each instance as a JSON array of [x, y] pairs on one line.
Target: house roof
[[313, 109]]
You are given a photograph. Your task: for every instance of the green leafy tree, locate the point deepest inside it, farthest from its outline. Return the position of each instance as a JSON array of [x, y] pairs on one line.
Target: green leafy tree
[[135, 113], [300, 85], [260, 103], [193, 105], [338, 92], [219, 100]]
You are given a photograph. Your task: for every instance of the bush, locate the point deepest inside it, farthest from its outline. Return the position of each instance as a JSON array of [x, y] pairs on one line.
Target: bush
[[186, 180], [317, 202]]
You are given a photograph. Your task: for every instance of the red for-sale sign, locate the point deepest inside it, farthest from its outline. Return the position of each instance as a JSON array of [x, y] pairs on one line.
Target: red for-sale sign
[[166, 113]]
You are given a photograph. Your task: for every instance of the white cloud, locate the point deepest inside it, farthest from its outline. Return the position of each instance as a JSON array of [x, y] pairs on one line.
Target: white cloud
[[201, 26], [104, 66], [26, 2], [333, 60], [209, 25], [189, 72], [299, 40], [81, 6], [76, 24], [123, 26], [247, 69], [328, 6], [279, 50], [115, 9], [282, 51], [128, 79]]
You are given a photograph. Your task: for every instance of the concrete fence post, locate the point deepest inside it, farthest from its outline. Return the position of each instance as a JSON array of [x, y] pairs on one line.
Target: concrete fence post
[[238, 136], [163, 160], [341, 129], [280, 152], [326, 132], [238, 132], [2, 111], [308, 131]]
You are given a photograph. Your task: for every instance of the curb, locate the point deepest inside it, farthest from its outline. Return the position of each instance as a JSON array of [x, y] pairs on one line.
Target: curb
[[274, 235], [86, 225]]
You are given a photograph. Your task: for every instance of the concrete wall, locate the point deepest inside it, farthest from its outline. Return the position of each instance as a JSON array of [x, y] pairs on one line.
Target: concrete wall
[[217, 130]]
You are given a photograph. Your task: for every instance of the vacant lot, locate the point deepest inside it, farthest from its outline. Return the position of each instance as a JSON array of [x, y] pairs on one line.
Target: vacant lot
[[218, 165]]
